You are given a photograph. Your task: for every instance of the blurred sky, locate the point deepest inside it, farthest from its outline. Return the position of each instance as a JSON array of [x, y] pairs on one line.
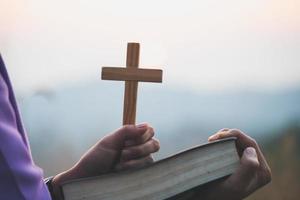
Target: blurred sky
[[201, 44]]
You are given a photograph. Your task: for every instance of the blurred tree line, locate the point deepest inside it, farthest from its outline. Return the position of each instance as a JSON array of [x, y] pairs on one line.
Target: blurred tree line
[[282, 152]]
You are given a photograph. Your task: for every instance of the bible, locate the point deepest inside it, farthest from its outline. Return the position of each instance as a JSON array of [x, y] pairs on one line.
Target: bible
[[163, 179]]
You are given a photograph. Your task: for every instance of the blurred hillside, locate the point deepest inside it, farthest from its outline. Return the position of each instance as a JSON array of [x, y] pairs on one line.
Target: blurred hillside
[[69, 120], [282, 153]]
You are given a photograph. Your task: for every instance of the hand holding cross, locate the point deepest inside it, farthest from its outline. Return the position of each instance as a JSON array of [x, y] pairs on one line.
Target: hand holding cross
[[131, 75]]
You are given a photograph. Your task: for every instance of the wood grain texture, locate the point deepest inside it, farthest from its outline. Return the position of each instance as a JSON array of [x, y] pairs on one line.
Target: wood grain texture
[[131, 87], [130, 74]]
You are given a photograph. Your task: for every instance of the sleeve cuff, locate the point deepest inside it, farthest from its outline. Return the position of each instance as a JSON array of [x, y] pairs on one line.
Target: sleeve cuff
[[48, 182]]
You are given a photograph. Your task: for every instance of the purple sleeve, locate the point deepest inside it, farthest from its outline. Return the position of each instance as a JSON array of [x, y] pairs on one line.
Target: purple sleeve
[[20, 178]]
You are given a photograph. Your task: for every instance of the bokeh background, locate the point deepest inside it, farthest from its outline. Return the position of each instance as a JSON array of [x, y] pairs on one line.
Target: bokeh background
[[233, 64]]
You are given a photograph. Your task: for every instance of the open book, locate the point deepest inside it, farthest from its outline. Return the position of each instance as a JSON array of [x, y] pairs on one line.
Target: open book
[[163, 179]]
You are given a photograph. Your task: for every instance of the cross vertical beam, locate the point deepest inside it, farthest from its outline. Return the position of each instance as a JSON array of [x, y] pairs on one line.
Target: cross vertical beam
[[131, 87], [131, 75]]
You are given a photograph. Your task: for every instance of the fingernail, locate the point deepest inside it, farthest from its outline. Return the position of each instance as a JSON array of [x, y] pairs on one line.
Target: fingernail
[[142, 125], [250, 151], [213, 137]]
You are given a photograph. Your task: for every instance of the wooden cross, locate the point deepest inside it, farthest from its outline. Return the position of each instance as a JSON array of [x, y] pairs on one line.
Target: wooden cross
[[131, 75]]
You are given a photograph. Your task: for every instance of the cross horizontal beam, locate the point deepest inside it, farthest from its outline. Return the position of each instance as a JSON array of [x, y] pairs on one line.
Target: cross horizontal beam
[[132, 74]]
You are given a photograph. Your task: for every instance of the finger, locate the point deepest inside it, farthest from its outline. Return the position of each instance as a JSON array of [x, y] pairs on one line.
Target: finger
[[134, 164], [244, 180], [117, 139], [135, 152], [218, 135], [251, 166], [146, 136], [129, 143], [223, 129], [215, 136], [149, 133], [244, 141]]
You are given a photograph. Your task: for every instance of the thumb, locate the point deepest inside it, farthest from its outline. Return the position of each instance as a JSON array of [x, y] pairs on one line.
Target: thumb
[[245, 174], [117, 139]]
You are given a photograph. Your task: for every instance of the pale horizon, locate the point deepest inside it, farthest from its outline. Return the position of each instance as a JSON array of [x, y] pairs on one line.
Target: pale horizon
[[200, 45]]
